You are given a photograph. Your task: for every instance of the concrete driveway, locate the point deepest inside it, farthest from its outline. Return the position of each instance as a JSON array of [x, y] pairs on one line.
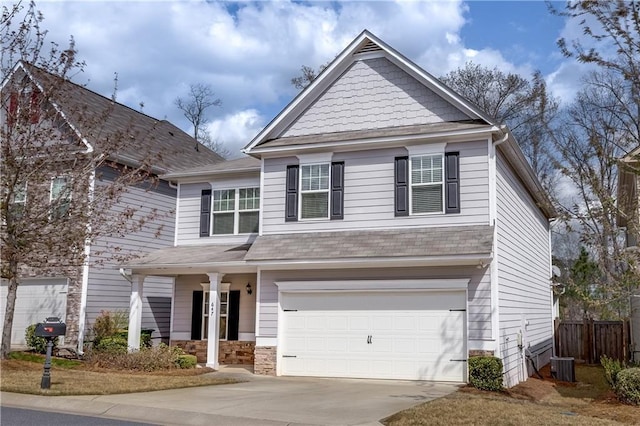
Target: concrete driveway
[[259, 401]]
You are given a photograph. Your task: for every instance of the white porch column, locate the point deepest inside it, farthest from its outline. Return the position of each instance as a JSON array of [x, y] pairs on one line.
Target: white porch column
[[213, 336], [135, 313]]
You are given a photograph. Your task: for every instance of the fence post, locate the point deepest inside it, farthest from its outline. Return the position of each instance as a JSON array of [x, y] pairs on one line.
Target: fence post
[[626, 340]]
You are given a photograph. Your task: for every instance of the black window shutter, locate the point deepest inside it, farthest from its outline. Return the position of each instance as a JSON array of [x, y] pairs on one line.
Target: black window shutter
[[196, 316], [205, 212], [337, 190], [452, 182], [234, 314], [291, 195], [402, 186]]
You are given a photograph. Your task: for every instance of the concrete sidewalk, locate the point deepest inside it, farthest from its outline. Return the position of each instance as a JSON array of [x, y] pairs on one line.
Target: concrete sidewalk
[[258, 401]]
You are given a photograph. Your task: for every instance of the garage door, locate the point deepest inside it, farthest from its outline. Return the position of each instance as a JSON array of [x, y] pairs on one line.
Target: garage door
[[416, 335], [35, 301]]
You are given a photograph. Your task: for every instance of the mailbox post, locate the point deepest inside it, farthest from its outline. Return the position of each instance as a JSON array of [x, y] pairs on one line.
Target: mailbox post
[[50, 329]]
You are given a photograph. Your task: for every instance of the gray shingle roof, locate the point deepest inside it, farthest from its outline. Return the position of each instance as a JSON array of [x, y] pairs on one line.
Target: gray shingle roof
[[191, 255], [98, 118], [415, 242], [239, 165]]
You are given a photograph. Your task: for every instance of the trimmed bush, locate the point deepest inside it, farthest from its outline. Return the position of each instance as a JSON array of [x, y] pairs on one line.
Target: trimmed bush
[[612, 367], [112, 345], [186, 361], [485, 372], [628, 386], [38, 344]]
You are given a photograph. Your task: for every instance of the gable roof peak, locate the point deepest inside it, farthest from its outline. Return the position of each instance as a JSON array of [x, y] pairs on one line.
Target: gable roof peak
[[365, 46]]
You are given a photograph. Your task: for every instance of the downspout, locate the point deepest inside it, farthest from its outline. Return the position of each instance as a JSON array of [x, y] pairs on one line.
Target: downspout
[[82, 317], [126, 276]]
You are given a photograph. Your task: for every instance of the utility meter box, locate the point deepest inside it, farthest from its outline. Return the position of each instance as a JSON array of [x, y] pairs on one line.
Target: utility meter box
[[52, 327]]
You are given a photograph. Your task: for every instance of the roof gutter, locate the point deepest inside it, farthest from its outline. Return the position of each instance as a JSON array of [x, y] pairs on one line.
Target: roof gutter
[[366, 143]]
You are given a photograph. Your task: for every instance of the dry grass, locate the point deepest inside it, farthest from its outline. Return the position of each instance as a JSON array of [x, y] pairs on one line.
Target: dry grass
[[539, 402], [24, 377]]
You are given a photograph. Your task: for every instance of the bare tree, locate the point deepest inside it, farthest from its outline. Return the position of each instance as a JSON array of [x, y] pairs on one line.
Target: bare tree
[[524, 105], [591, 140], [307, 75], [611, 40], [201, 98], [62, 173]]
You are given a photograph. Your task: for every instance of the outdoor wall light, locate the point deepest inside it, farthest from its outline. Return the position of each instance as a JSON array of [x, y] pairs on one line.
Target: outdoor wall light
[[248, 287]]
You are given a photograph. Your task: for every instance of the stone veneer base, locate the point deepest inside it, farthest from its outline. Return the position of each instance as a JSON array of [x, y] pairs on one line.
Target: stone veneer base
[[265, 360], [231, 352]]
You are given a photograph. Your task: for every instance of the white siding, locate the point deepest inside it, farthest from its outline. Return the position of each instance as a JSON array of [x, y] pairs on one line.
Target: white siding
[[479, 291], [187, 284], [524, 290], [369, 192], [188, 232], [373, 94], [108, 290]]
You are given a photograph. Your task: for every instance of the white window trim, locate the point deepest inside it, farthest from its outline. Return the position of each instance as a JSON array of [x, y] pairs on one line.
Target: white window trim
[[14, 200], [68, 196], [314, 191], [236, 210], [411, 184]]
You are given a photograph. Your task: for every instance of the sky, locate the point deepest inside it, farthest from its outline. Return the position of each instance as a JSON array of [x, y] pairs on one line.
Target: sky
[[249, 51]]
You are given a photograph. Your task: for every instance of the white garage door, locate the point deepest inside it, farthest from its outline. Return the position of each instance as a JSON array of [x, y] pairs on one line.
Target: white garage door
[[416, 335], [35, 301]]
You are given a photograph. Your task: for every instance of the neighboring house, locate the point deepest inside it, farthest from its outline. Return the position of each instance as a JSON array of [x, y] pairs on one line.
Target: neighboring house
[[382, 227], [628, 217], [78, 295]]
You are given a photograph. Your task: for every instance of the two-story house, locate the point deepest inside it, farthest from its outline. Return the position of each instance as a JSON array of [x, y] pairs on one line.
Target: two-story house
[[381, 227], [85, 120]]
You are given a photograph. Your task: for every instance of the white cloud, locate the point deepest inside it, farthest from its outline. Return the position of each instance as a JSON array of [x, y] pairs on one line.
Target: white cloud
[[247, 52], [236, 130]]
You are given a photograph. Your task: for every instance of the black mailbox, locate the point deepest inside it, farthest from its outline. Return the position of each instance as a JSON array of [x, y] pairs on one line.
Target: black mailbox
[[52, 327]]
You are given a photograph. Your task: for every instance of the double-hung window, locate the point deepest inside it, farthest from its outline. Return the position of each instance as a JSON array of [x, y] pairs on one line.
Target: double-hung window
[[60, 197], [248, 210], [427, 182], [224, 202], [314, 191], [18, 200], [235, 211]]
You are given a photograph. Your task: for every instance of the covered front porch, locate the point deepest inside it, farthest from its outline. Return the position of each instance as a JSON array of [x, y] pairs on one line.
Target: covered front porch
[[213, 309]]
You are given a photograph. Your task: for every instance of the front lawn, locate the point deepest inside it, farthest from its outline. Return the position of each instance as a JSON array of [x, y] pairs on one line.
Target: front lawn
[[535, 402], [23, 373]]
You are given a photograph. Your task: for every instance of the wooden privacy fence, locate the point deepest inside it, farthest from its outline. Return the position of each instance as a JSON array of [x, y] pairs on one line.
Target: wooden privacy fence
[[588, 340]]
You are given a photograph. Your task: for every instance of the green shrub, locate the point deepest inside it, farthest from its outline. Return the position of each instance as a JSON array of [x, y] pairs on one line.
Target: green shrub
[[485, 372], [628, 386], [611, 369], [38, 344], [109, 324], [186, 361], [113, 345]]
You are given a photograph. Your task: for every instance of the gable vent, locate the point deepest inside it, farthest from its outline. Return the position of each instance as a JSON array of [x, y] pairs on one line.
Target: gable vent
[[369, 47]]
